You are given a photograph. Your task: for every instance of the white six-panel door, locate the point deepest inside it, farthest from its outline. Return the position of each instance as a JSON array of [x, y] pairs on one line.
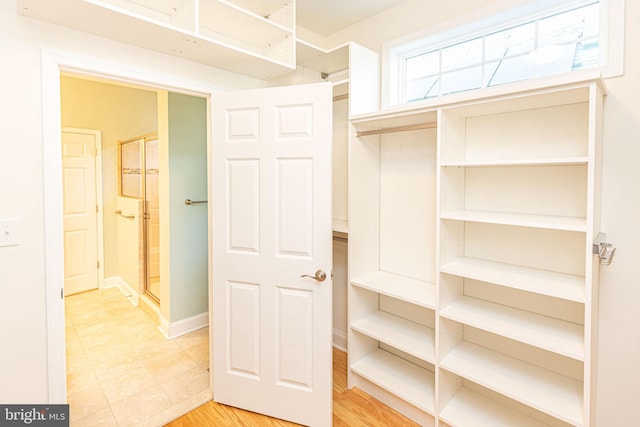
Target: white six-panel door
[[79, 211], [271, 217]]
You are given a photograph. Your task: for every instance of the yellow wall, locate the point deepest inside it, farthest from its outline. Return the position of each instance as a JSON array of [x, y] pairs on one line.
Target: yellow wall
[[120, 112]]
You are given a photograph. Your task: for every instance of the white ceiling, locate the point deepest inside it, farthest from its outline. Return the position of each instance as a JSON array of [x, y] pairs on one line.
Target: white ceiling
[[325, 17]]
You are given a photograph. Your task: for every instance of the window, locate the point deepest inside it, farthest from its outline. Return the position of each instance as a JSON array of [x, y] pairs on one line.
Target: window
[[536, 40]]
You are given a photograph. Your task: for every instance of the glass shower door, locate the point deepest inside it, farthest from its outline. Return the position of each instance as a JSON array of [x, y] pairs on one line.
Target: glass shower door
[[152, 219], [139, 175]]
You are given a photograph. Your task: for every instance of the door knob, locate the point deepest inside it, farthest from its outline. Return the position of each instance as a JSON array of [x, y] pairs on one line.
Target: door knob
[[320, 275]]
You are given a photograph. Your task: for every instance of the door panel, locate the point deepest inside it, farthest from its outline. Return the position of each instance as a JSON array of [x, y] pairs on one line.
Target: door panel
[[244, 329], [243, 180], [79, 212], [271, 192], [295, 207], [295, 338]]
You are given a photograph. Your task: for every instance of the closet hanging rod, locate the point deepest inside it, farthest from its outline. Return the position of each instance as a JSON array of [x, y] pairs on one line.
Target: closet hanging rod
[[190, 202], [341, 97], [397, 129]]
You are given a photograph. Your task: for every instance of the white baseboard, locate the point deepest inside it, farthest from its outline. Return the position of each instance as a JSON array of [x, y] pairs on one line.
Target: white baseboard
[[340, 340], [173, 330], [125, 288]]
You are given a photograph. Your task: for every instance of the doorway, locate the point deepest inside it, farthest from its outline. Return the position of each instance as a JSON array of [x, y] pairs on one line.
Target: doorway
[[52, 65], [124, 115]]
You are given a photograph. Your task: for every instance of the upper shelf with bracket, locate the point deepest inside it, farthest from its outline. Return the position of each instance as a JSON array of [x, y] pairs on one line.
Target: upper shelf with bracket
[[251, 38]]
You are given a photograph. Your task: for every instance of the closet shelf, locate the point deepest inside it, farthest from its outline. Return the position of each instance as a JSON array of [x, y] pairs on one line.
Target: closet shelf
[[340, 226], [329, 61], [400, 287], [219, 17], [399, 377], [409, 337], [549, 392], [551, 334], [552, 222], [470, 409], [558, 285], [551, 161], [187, 31]]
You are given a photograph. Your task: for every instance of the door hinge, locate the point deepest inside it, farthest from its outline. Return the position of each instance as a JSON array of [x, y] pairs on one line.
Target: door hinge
[[98, 264], [61, 293], [96, 208]]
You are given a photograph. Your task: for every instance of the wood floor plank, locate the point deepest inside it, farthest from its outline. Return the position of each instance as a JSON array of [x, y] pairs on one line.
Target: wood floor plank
[[351, 408]]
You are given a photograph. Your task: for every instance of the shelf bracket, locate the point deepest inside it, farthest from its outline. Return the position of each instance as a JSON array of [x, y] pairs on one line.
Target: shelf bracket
[[604, 250]]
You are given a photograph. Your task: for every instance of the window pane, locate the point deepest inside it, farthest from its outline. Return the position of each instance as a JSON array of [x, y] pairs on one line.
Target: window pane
[[423, 65], [428, 87], [510, 42], [556, 43], [510, 70], [560, 62], [591, 21], [569, 26], [459, 81], [587, 55], [462, 55]]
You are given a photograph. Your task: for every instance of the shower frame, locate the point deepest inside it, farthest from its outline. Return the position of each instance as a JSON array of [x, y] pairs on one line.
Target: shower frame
[[146, 216]]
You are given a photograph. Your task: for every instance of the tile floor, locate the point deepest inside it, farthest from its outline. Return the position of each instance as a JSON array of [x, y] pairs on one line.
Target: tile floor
[[121, 371]]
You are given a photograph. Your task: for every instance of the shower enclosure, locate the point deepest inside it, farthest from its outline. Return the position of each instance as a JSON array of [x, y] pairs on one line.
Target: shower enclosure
[[139, 178]]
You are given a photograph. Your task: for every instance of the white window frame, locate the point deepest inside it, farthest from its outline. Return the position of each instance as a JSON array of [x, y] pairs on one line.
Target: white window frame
[[495, 18]]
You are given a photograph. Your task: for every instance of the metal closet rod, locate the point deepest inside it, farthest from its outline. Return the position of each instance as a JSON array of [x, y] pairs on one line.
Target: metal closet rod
[[397, 129]]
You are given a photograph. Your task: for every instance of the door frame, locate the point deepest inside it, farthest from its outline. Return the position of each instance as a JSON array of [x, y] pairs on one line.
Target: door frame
[[53, 64], [97, 134]]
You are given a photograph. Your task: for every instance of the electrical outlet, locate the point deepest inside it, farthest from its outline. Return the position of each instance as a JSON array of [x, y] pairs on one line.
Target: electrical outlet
[[9, 232]]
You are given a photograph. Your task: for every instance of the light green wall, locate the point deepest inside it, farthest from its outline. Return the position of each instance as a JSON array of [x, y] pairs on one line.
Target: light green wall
[[188, 233]]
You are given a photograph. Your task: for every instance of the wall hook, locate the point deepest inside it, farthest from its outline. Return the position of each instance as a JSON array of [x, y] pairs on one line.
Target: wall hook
[[604, 250]]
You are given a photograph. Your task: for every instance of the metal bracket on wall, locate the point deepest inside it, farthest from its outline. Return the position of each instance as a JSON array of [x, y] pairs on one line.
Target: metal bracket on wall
[[604, 250]]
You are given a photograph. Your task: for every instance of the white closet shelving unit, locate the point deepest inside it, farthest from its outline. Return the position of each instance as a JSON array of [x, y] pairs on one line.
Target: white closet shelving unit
[[255, 38], [392, 265], [473, 283]]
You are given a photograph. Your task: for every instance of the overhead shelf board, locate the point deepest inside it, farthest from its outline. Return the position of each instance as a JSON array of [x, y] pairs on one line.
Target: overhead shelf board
[[135, 26], [324, 61]]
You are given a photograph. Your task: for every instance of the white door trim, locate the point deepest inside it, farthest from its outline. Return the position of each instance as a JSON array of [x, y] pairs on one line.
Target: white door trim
[[97, 134], [53, 63]]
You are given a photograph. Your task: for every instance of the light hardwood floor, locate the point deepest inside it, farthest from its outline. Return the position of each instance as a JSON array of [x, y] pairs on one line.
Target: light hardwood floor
[[351, 408]]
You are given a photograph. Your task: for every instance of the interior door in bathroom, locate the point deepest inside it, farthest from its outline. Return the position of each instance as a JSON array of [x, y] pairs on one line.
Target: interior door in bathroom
[[79, 210]]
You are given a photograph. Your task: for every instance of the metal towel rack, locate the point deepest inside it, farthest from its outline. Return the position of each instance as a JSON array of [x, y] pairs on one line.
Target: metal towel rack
[[190, 202], [127, 216]]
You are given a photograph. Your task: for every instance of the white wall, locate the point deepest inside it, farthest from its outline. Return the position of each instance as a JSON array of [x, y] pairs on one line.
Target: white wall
[[413, 16], [619, 325], [22, 294], [23, 359]]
